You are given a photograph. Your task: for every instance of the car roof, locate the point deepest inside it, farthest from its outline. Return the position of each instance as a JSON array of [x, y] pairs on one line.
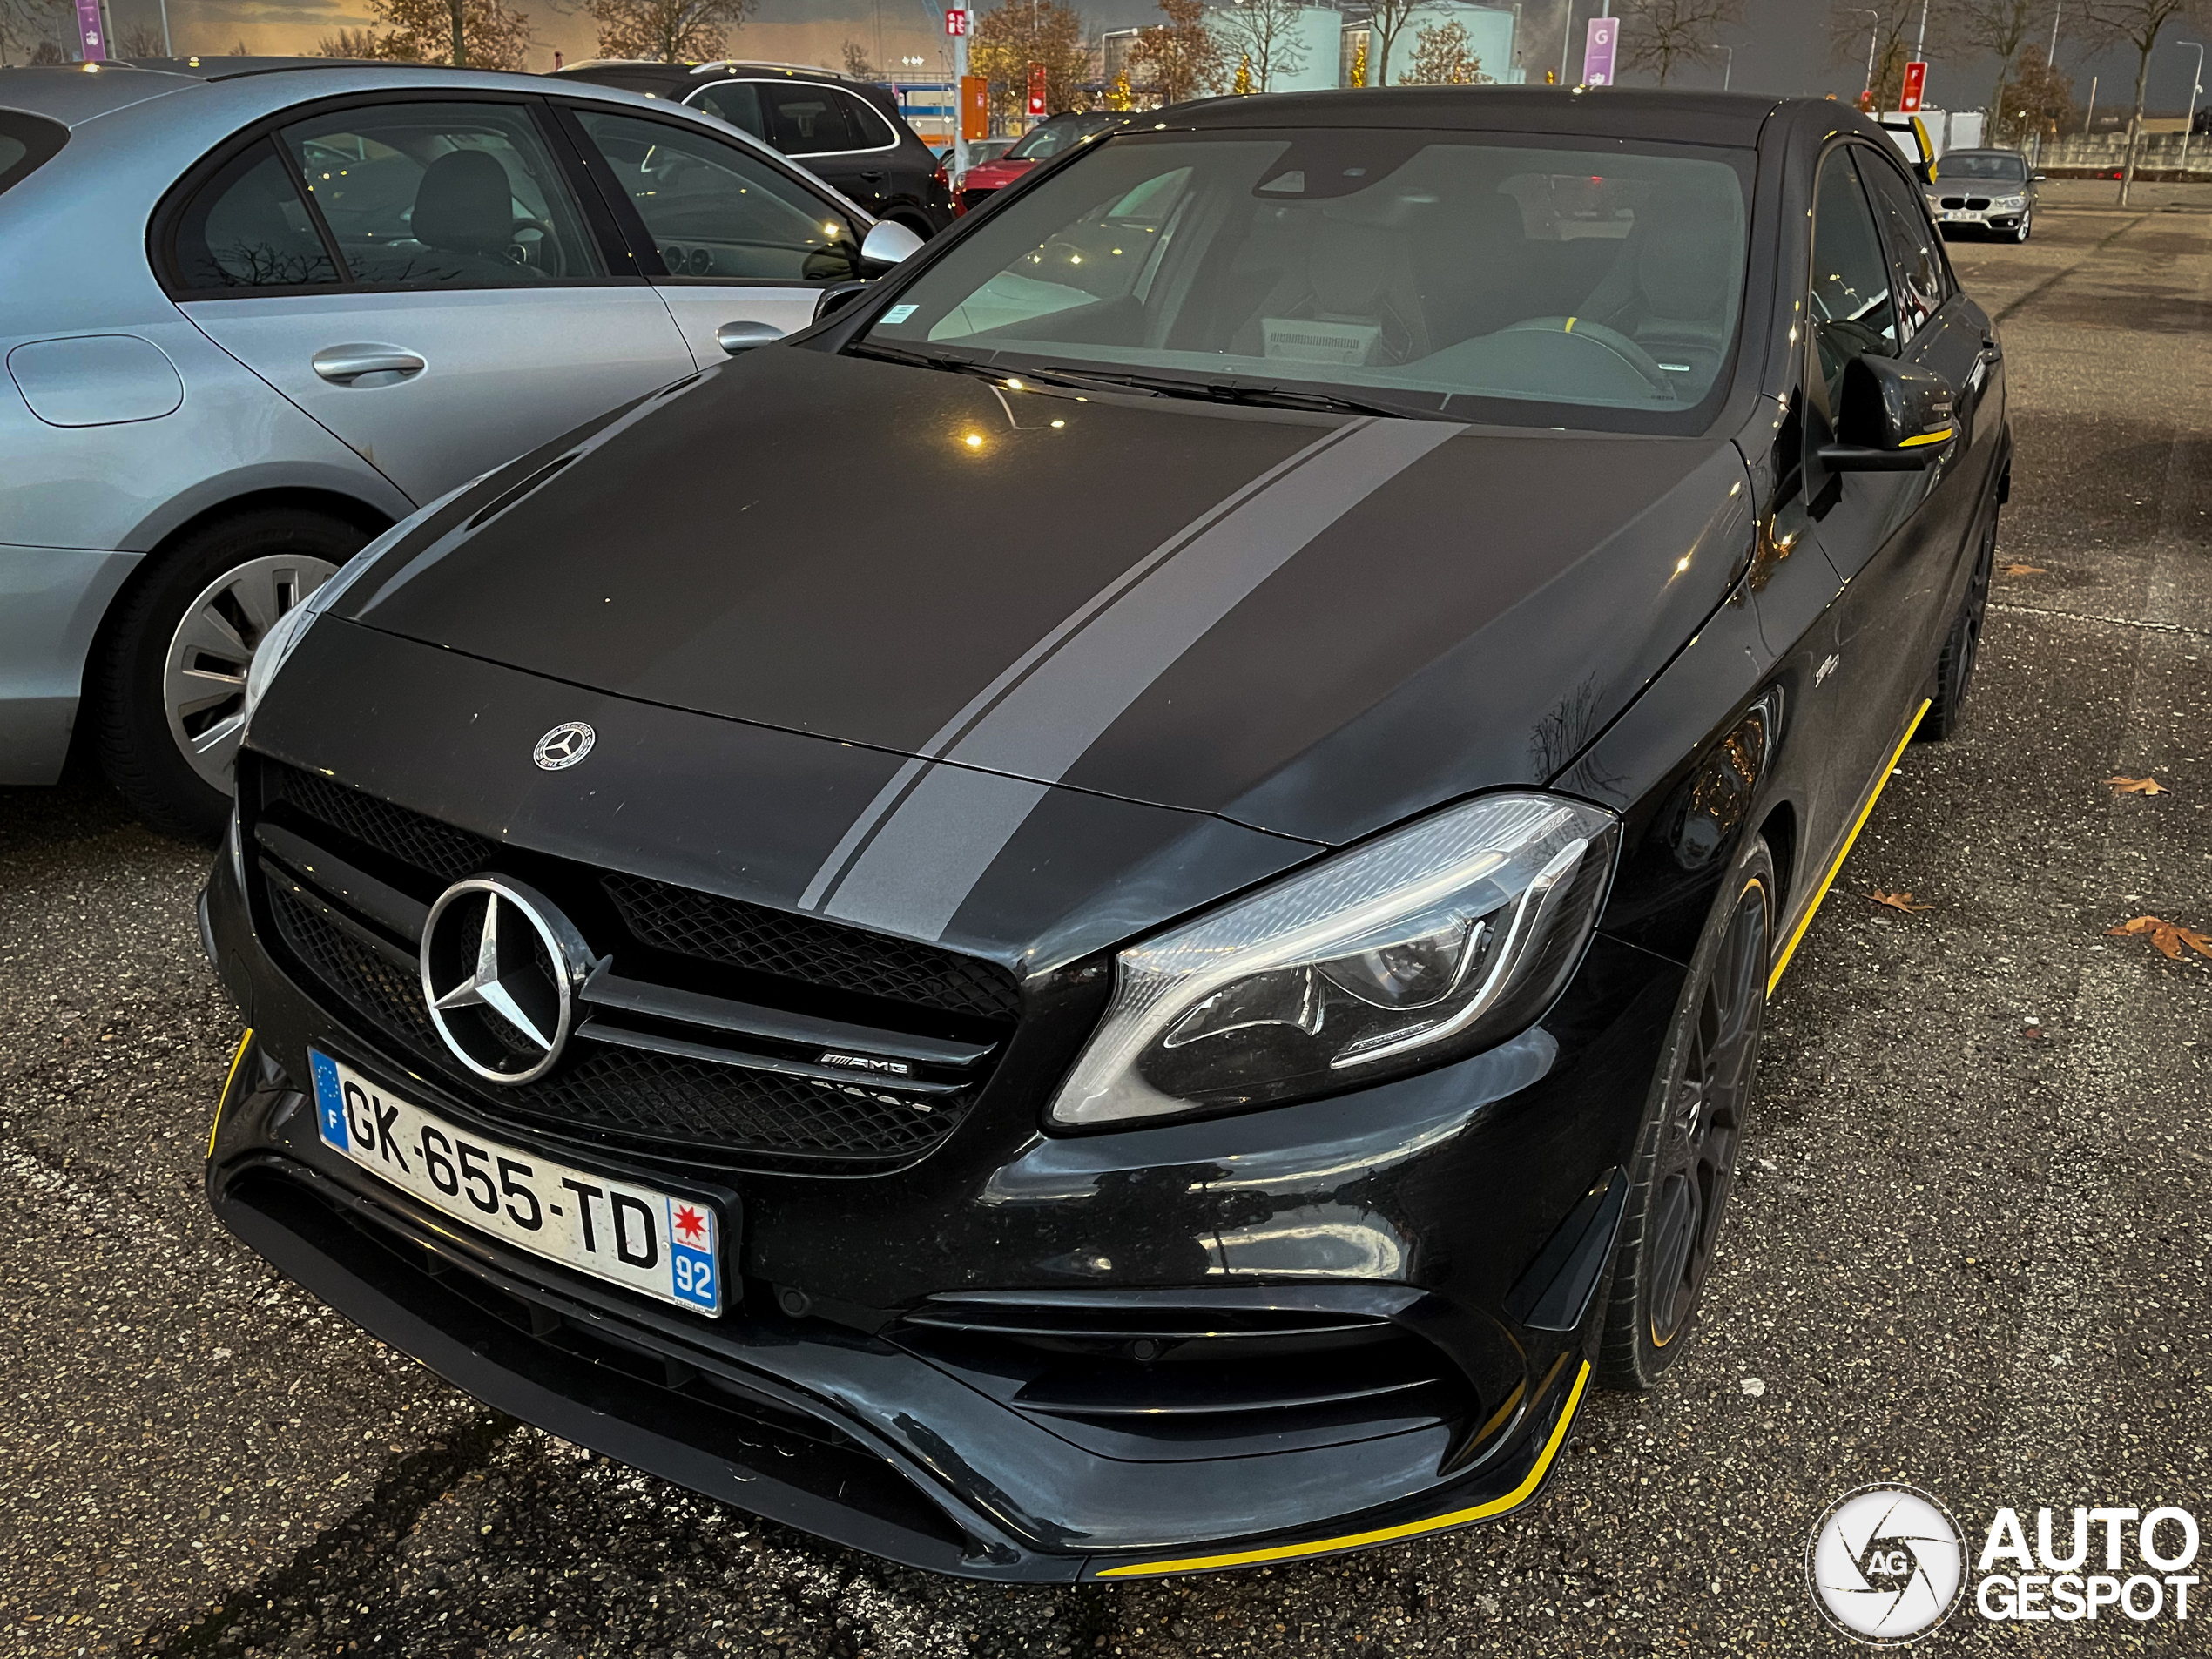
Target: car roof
[[1687, 117], [1984, 150], [72, 94], [654, 69]]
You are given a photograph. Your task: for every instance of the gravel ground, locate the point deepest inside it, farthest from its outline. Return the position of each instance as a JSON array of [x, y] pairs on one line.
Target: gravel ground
[[1968, 1253]]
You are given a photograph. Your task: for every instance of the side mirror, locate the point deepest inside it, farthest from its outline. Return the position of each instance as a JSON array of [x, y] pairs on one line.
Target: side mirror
[[737, 338], [885, 245], [837, 296], [1894, 417], [2038, 177]]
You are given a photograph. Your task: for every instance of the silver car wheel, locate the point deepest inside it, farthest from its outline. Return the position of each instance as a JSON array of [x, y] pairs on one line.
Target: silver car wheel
[[204, 679]]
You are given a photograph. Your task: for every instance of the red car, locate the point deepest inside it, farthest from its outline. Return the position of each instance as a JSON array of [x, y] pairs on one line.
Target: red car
[[1043, 142]]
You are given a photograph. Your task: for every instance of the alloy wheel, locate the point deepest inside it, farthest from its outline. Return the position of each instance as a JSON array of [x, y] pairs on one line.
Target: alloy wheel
[[204, 675], [1705, 1114]]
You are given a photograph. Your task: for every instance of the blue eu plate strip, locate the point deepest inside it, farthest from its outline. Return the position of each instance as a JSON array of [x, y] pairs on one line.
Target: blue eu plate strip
[[330, 1102]]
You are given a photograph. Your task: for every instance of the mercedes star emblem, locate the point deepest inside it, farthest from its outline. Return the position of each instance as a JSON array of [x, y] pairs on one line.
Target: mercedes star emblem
[[500, 970], [564, 745]]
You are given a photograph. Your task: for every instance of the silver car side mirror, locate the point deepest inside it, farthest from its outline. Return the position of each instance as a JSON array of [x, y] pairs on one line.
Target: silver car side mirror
[[737, 337], [885, 245]]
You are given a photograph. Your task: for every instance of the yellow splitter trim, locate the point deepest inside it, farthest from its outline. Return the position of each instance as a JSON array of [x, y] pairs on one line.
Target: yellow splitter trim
[[1513, 1500], [224, 1099], [1865, 813]]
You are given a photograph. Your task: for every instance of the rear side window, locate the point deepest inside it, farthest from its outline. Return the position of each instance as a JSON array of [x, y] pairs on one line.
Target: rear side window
[[27, 142], [806, 120], [248, 228]]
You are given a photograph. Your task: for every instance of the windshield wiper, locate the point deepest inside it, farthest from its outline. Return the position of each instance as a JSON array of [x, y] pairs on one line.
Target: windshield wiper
[[1219, 391], [925, 359]]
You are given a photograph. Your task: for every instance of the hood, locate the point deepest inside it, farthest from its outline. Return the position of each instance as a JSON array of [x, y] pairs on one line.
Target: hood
[[1307, 623], [993, 175]]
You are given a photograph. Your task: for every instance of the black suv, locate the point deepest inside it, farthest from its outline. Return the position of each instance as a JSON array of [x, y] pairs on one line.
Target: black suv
[[847, 132]]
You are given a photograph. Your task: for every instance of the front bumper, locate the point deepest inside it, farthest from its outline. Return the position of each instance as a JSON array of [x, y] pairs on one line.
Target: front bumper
[[1471, 1209]]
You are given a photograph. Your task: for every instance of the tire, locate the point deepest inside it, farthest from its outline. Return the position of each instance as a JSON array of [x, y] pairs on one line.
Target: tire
[[1954, 673], [1684, 1165], [2021, 231], [170, 677]]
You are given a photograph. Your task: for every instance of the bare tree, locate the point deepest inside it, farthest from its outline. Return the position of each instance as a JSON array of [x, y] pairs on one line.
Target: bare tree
[[1263, 36], [140, 40], [668, 32], [351, 43], [1888, 24], [1017, 33], [857, 64], [1385, 18], [1663, 35], [1178, 58], [30, 30], [2113, 23], [1998, 27]]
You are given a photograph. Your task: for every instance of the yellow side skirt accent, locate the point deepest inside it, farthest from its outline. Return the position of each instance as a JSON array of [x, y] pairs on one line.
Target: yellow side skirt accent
[[1409, 1530], [1865, 813], [224, 1099]]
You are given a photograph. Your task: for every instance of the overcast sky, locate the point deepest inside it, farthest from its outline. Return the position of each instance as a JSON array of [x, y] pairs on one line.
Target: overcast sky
[[1782, 47]]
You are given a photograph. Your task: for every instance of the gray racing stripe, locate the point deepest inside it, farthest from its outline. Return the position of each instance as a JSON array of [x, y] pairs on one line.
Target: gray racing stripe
[[916, 853]]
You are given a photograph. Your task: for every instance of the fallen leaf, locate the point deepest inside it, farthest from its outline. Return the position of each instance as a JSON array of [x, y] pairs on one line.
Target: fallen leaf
[[2138, 786], [2169, 936], [1898, 901], [2022, 569]]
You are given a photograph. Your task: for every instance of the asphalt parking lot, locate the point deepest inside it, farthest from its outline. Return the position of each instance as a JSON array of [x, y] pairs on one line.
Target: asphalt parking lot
[[1969, 1252]]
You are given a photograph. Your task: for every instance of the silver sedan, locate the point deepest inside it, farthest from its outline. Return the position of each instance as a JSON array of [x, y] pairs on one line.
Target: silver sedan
[[254, 312], [1985, 190]]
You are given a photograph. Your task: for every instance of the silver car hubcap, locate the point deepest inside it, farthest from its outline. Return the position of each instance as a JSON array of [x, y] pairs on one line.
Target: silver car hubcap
[[203, 680]]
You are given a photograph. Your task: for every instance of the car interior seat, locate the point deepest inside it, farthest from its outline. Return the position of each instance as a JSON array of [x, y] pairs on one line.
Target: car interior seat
[[1351, 300], [465, 206]]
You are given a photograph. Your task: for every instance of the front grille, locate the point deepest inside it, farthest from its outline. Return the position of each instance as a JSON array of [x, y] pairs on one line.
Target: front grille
[[716, 929], [420, 843], [646, 1077]]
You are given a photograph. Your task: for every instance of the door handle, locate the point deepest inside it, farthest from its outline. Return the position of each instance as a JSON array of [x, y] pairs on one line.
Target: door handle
[[738, 337], [876, 177], [346, 365]]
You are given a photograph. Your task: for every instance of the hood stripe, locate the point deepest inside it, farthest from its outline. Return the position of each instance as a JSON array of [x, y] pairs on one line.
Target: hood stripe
[[916, 853]]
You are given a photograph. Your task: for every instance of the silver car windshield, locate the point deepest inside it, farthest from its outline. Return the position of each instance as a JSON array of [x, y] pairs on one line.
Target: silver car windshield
[[1419, 270], [1999, 168]]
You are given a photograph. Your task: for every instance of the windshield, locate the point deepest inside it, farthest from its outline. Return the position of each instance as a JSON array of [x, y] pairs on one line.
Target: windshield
[[1467, 273], [1967, 165], [1042, 143]]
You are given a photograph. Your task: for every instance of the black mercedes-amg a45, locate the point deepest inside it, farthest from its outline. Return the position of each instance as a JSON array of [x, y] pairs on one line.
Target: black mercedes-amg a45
[[1109, 916]]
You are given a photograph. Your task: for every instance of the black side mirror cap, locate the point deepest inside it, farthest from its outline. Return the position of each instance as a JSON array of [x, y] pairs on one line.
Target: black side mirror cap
[[1894, 417], [837, 296]]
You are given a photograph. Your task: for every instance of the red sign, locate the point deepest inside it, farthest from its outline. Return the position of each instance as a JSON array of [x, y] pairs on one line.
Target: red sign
[[1916, 83], [956, 21], [1036, 89]]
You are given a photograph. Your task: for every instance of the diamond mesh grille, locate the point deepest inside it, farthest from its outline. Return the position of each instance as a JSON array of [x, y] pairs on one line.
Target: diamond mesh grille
[[717, 929], [661, 1103], [438, 849]]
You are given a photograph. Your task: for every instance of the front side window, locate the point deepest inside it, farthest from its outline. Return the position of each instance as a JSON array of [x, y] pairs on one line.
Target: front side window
[[1921, 286], [717, 213], [1416, 268], [249, 227], [442, 196], [1852, 310], [736, 102]]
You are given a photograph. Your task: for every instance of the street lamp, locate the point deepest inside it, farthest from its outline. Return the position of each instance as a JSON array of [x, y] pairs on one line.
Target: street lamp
[[2196, 89], [1873, 38], [1729, 73]]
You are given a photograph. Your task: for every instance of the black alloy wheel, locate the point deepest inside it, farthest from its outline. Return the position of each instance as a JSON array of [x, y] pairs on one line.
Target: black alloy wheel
[[1686, 1156], [1954, 673]]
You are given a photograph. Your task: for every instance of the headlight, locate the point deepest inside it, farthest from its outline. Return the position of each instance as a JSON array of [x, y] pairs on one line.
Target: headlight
[[1428, 943], [2009, 201]]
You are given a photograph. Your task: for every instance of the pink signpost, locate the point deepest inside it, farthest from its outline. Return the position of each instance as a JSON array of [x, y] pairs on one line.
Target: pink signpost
[[90, 29], [1597, 52]]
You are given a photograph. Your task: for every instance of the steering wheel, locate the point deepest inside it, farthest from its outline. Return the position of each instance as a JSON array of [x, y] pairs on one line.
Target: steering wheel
[[1611, 339], [551, 258]]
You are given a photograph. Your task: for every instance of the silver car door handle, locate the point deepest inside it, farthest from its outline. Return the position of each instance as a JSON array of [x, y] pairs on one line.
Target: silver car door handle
[[736, 337], [343, 364]]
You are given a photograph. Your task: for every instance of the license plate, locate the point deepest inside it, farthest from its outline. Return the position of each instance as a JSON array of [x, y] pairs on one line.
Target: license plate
[[629, 1235]]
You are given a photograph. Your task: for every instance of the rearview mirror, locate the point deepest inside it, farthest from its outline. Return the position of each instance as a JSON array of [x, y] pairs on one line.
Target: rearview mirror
[[1891, 417], [885, 245]]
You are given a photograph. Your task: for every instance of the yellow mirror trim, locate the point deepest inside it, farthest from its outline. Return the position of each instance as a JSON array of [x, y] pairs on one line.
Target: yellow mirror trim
[[1926, 437]]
